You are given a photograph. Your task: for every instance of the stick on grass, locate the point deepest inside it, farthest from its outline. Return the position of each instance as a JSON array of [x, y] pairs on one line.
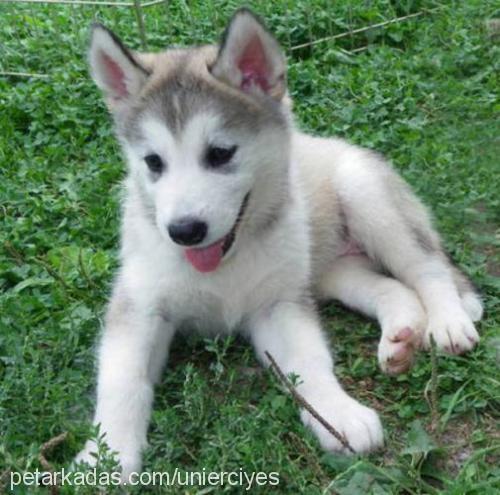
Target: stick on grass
[[45, 449], [301, 401], [432, 396]]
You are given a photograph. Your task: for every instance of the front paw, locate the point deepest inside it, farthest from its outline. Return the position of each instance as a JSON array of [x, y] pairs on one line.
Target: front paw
[[359, 425], [129, 462], [453, 331], [88, 455]]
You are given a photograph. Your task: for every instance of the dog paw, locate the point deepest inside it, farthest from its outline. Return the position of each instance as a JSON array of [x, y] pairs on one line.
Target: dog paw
[[130, 468], [397, 348], [453, 332], [88, 455], [129, 463], [358, 424]]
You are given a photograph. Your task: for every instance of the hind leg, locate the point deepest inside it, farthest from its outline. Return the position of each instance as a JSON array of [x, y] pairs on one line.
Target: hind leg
[[425, 268], [450, 314], [394, 228], [355, 282]]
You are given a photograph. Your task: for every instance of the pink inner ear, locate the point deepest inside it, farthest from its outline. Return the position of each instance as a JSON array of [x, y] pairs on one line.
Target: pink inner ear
[[115, 77], [254, 66]]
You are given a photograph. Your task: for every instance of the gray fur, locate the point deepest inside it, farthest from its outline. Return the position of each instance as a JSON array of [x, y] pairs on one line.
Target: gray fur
[[178, 96]]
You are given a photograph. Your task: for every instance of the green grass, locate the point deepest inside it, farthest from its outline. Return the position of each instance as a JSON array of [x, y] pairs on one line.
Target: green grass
[[424, 92]]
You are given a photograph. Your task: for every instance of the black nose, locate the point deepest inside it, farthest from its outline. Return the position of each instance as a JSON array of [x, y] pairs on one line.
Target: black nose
[[187, 231]]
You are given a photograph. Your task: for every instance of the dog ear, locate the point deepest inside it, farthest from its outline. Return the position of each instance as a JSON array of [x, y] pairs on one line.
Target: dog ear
[[250, 58], [113, 67]]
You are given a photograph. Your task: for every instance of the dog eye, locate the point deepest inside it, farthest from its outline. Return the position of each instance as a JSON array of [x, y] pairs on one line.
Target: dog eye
[[218, 156], [154, 163]]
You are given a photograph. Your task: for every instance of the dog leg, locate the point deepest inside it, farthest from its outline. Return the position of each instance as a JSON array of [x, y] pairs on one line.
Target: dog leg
[[355, 282], [449, 321], [394, 228], [291, 333], [132, 351]]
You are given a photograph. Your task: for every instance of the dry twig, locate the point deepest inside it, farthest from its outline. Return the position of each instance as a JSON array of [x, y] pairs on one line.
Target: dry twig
[[301, 401], [362, 29], [432, 397], [3, 479], [23, 74], [45, 449]]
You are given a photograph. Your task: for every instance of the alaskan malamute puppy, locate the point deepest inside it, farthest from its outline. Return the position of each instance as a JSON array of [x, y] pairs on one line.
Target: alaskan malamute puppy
[[235, 221]]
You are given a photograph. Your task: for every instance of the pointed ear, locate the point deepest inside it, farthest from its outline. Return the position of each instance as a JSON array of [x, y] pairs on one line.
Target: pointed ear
[[250, 58], [114, 68]]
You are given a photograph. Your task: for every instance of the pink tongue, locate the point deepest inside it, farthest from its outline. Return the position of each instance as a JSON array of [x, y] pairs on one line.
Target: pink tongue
[[205, 259]]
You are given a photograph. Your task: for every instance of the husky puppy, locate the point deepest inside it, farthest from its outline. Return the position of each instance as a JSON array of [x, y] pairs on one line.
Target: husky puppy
[[234, 220]]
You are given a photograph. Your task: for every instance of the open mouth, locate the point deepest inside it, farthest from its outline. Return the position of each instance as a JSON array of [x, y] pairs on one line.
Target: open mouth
[[230, 238], [207, 259]]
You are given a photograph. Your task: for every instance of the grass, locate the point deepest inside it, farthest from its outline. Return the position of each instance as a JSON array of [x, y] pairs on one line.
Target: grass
[[424, 92]]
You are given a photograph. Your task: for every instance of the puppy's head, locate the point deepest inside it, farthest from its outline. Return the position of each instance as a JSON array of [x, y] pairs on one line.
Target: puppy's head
[[206, 131]]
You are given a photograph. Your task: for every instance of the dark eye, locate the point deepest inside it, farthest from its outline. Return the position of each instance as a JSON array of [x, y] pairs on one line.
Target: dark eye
[[154, 163], [217, 156]]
